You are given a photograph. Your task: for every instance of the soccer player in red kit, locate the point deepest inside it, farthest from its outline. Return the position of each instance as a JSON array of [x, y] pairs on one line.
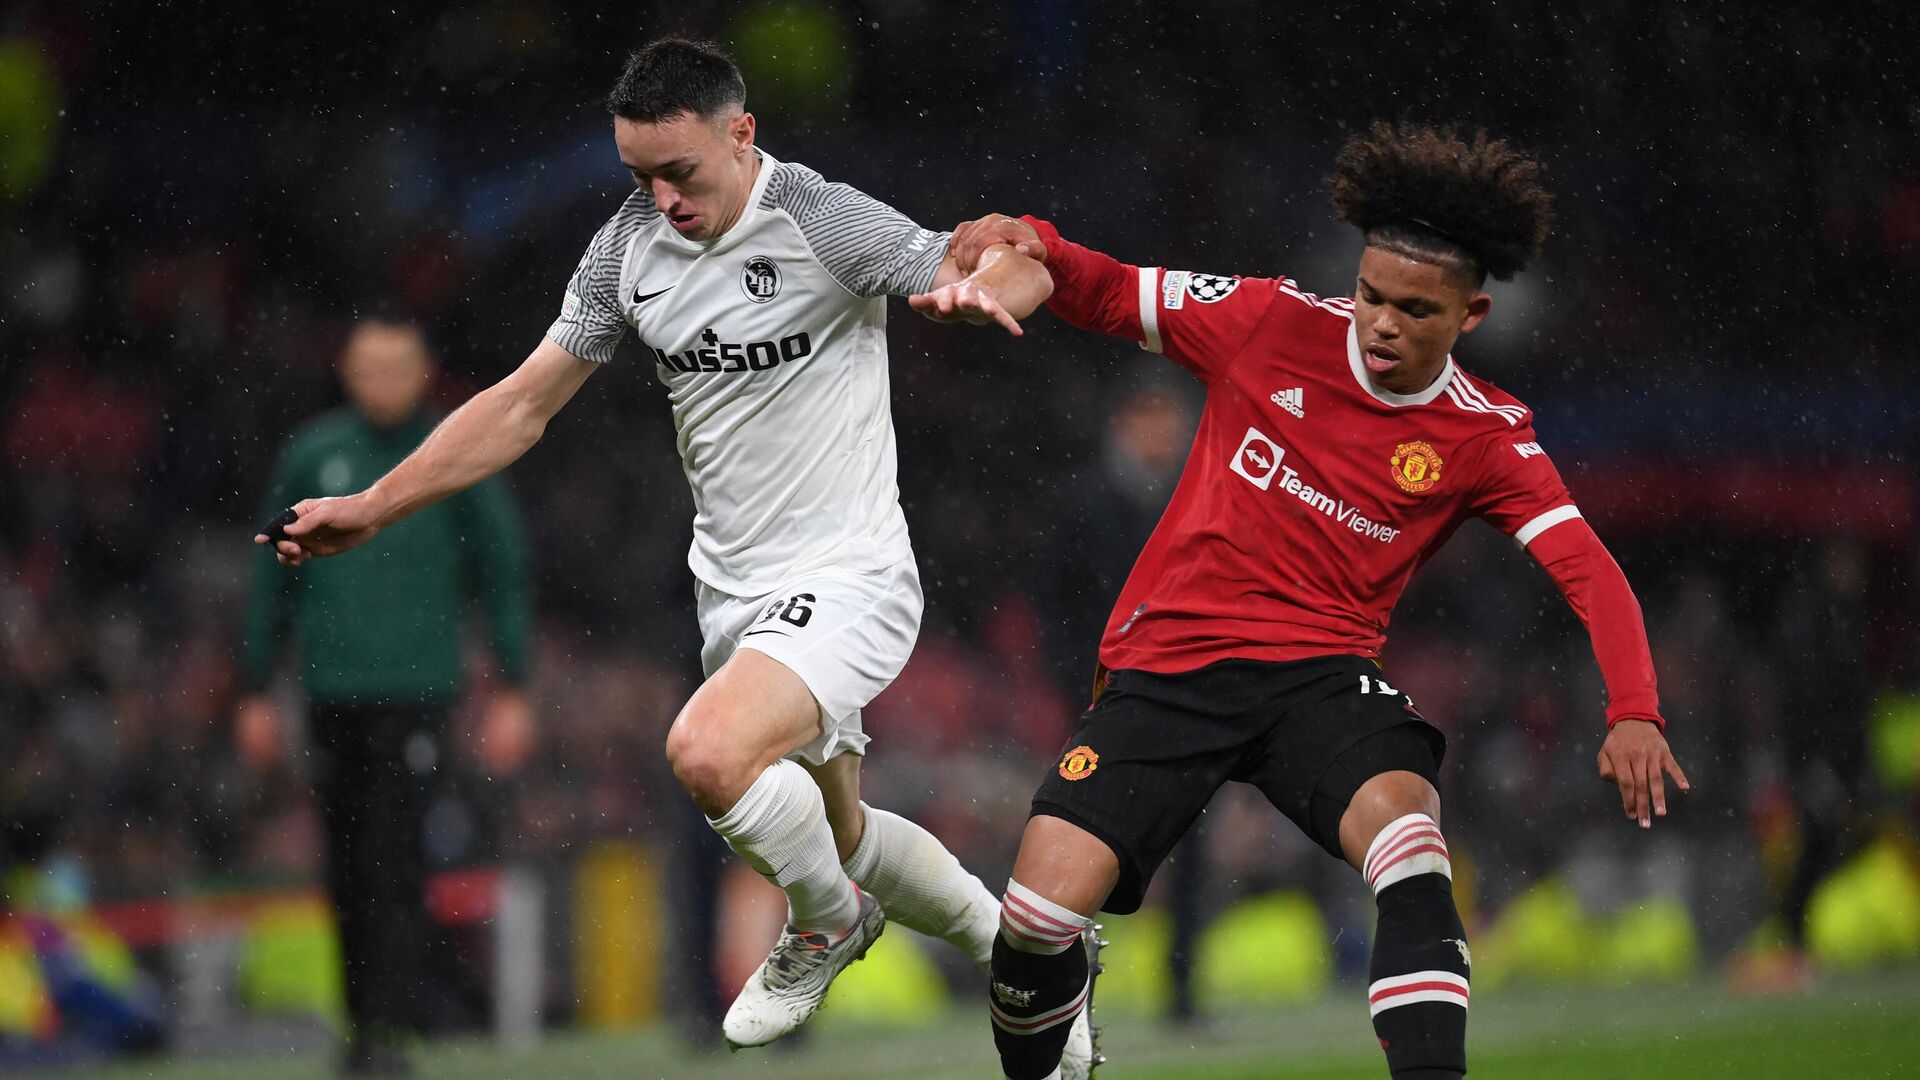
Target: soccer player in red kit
[[1340, 447]]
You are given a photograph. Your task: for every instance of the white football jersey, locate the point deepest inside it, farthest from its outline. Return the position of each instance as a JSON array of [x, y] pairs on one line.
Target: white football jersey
[[771, 341]]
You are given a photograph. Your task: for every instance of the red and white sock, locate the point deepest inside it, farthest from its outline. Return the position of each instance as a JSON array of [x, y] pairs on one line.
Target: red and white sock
[[1408, 846], [1039, 982], [1418, 987]]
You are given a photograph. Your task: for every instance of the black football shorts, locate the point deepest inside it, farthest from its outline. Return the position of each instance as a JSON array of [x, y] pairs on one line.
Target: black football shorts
[[1153, 748]]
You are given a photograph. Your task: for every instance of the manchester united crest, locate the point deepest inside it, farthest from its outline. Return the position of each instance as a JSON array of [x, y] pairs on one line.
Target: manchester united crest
[[1416, 466], [1079, 763]]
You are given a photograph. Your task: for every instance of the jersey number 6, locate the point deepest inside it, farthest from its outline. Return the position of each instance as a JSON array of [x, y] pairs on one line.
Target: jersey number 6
[[796, 612]]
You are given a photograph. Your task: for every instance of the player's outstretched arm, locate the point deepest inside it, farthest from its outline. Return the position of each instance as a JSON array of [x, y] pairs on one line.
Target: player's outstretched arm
[[479, 439], [1635, 756], [1005, 288]]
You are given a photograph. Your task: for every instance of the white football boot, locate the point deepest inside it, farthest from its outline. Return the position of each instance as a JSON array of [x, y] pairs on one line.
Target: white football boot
[[788, 987]]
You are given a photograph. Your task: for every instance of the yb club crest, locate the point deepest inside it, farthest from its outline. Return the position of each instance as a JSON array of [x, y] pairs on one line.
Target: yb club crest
[[760, 280], [1079, 763], [1416, 466]]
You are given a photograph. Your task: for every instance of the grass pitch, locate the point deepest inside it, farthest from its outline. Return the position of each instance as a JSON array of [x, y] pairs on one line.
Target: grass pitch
[[1845, 1029]]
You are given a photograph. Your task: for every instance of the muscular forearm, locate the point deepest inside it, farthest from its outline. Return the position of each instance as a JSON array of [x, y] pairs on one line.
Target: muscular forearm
[[482, 437], [485, 435], [1092, 291]]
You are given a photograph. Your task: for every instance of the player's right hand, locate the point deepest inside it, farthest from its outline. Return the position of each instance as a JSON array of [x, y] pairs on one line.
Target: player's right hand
[[323, 527], [972, 238]]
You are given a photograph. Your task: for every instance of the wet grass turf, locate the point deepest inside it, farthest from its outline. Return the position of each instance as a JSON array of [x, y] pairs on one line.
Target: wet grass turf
[[1845, 1029]]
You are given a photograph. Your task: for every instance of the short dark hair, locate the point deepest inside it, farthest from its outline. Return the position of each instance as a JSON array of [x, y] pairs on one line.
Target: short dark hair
[[1430, 194], [671, 75]]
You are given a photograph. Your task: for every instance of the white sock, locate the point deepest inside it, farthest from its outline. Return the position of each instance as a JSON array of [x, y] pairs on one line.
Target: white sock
[[780, 827], [920, 885]]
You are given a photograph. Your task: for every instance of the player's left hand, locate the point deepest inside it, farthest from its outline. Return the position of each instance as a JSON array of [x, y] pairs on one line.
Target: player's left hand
[[1635, 756], [963, 301], [506, 734]]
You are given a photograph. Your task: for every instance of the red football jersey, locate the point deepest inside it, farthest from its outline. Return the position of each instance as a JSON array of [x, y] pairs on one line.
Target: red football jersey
[[1309, 497]]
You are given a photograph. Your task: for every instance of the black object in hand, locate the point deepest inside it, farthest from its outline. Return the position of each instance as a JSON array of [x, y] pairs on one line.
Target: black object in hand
[[276, 529]]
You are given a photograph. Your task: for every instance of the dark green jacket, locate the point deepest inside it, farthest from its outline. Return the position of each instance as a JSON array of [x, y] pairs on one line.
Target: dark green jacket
[[382, 622]]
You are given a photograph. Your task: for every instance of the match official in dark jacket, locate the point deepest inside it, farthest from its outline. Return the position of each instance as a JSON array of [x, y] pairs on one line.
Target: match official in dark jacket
[[380, 635]]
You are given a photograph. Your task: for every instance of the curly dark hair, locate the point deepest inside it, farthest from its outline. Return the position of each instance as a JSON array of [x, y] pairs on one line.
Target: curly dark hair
[[1430, 194], [669, 76]]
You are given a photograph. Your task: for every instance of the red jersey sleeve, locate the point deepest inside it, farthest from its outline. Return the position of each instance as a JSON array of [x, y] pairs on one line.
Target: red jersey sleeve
[[1519, 491], [1200, 321], [1587, 576], [1523, 496]]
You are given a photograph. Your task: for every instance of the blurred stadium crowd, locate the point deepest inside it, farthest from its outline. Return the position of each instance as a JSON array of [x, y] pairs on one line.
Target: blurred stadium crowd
[[1718, 348]]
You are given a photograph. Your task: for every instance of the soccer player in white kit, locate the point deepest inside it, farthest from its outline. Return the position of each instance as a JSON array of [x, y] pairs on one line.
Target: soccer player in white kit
[[759, 290]]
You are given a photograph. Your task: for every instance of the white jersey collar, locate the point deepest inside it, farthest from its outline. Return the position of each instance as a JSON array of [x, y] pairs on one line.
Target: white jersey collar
[[1388, 397]]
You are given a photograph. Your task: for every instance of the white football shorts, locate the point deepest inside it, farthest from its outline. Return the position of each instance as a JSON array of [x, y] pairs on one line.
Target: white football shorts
[[846, 633]]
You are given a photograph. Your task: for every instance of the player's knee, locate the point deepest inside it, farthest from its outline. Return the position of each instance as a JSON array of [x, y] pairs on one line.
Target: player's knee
[[1379, 803], [1066, 864], [715, 770], [1396, 794]]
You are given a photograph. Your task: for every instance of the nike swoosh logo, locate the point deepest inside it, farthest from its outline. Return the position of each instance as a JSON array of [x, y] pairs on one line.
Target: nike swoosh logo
[[641, 298], [782, 633]]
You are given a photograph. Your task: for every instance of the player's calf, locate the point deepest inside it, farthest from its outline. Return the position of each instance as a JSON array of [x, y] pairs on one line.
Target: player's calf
[[1417, 988], [921, 885], [780, 827], [1040, 981]]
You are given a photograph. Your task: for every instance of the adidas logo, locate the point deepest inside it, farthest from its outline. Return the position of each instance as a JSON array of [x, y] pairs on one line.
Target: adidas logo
[[1294, 401]]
